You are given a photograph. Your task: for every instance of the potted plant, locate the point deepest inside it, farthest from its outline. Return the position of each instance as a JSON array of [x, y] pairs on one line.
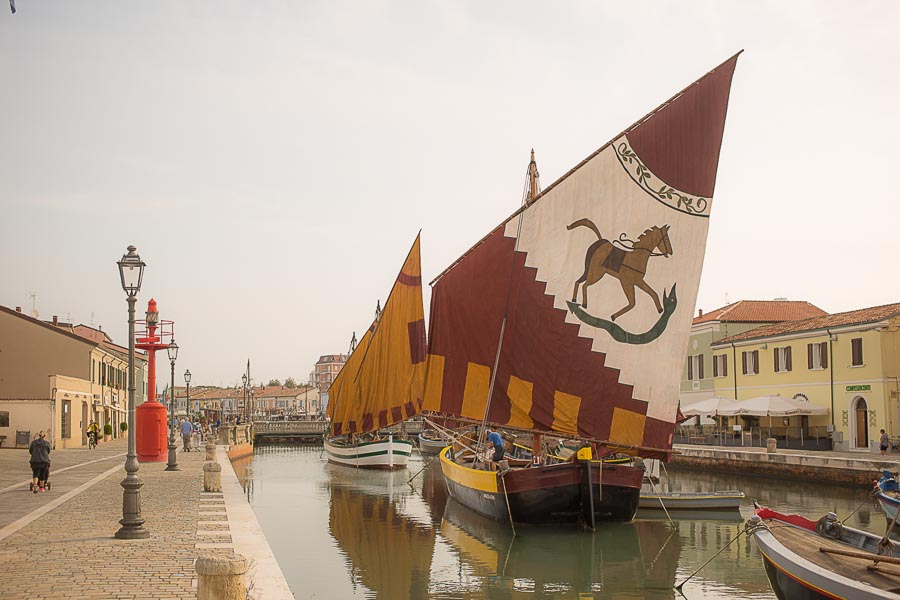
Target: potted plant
[[123, 426], [107, 432]]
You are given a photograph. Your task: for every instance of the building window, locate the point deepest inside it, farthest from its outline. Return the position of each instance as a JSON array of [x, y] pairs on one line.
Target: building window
[[750, 362], [856, 346], [783, 359], [817, 355], [720, 365], [695, 367], [66, 419], [4, 418]]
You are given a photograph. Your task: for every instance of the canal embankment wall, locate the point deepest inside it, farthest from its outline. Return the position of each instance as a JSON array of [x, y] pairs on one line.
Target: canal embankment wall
[[836, 467]]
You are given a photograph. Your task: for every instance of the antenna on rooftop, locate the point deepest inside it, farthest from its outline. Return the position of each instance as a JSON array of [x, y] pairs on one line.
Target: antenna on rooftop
[[34, 312]]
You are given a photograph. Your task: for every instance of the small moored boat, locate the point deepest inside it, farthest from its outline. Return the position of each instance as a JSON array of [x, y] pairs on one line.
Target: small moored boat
[[431, 442], [718, 500], [382, 382], [888, 495], [824, 559]]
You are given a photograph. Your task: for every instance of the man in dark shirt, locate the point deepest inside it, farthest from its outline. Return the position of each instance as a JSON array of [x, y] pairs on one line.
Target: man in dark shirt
[[39, 449]]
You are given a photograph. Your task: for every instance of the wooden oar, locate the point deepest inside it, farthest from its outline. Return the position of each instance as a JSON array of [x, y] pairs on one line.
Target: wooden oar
[[863, 555]]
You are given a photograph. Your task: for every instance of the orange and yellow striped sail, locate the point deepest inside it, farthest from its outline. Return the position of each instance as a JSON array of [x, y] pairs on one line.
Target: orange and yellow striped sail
[[383, 381]]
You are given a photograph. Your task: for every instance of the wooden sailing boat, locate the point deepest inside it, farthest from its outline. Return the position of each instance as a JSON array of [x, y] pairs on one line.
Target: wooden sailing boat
[[382, 382], [513, 345]]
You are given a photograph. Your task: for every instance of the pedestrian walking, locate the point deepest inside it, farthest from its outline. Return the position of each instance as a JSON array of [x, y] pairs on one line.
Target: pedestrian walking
[[39, 449], [186, 430], [885, 442]]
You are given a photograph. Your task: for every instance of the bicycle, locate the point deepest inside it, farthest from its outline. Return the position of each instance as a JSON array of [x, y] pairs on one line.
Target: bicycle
[[92, 440]]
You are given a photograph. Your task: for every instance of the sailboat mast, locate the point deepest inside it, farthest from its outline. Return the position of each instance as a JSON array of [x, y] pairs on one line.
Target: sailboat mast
[[532, 190]]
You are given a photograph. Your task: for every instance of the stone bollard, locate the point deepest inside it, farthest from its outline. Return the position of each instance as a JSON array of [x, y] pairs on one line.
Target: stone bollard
[[212, 477], [221, 577], [771, 445], [210, 450]]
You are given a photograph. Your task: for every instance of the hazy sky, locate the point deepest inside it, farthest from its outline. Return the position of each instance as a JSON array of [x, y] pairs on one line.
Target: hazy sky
[[273, 161]]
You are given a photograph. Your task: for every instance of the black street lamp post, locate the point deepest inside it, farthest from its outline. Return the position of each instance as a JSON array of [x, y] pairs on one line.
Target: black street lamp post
[[173, 462], [244, 379], [187, 382], [131, 271]]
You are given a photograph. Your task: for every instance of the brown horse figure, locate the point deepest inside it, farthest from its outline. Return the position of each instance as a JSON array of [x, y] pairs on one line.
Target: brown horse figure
[[628, 266]]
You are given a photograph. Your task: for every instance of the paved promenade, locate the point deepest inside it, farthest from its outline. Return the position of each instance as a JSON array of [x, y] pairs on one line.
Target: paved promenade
[[59, 544]]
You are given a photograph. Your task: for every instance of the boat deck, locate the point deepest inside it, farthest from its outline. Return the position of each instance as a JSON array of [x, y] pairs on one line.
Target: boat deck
[[805, 544]]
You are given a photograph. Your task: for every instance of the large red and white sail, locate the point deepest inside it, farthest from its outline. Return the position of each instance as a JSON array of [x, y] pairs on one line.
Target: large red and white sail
[[597, 280]]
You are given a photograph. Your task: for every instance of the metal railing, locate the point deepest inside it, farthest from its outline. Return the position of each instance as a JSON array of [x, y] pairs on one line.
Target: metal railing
[[286, 427], [800, 438]]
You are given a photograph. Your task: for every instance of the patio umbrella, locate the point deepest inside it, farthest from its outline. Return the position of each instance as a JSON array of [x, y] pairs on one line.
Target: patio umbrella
[[773, 406], [709, 407]]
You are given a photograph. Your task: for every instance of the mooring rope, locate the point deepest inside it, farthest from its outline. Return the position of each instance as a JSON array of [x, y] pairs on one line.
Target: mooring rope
[[746, 529]]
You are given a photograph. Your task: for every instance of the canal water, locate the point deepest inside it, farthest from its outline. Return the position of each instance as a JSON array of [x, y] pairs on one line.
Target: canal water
[[339, 532]]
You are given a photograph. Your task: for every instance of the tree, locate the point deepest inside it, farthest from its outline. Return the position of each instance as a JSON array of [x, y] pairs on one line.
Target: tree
[[290, 383], [274, 382]]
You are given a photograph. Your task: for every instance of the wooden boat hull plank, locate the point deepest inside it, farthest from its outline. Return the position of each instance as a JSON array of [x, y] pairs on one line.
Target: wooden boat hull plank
[[382, 454], [543, 495]]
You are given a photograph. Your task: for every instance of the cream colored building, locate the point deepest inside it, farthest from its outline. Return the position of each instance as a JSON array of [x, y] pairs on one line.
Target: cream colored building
[[846, 362], [57, 378]]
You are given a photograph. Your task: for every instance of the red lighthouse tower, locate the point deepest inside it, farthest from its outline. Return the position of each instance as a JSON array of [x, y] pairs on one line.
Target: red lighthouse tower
[[151, 431]]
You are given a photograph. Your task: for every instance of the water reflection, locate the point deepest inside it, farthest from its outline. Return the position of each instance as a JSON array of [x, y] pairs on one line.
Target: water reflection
[[340, 532], [633, 560], [387, 550]]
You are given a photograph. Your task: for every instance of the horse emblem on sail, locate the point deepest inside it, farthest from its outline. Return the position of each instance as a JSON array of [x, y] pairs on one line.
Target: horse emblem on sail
[[626, 260]]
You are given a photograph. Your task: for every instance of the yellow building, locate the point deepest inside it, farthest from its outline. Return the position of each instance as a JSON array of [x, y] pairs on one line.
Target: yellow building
[[57, 378], [846, 362]]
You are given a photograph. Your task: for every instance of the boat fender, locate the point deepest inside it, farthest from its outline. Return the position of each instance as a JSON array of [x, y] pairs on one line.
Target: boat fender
[[829, 526]]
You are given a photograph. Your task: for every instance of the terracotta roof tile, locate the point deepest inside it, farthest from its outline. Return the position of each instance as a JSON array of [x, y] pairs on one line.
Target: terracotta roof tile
[[853, 317], [762, 311]]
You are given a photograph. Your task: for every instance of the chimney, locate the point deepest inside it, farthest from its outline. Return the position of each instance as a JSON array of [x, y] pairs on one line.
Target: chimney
[[55, 320], [701, 312], [18, 309]]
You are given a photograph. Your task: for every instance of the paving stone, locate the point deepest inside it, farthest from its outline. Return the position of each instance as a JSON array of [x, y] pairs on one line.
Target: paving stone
[[74, 544]]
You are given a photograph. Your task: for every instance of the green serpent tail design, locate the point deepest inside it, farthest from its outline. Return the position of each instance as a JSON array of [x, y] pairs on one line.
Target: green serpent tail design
[[670, 301]]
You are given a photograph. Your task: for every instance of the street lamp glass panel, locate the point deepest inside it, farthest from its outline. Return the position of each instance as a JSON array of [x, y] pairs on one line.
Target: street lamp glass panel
[[244, 378], [187, 377], [131, 270], [172, 349]]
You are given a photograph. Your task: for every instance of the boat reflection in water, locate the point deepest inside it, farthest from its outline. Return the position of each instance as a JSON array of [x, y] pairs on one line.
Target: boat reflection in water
[[628, 560], [399, 543], [383, 530]]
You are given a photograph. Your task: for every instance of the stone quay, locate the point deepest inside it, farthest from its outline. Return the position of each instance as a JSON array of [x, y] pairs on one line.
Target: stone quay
[[59, 543]]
